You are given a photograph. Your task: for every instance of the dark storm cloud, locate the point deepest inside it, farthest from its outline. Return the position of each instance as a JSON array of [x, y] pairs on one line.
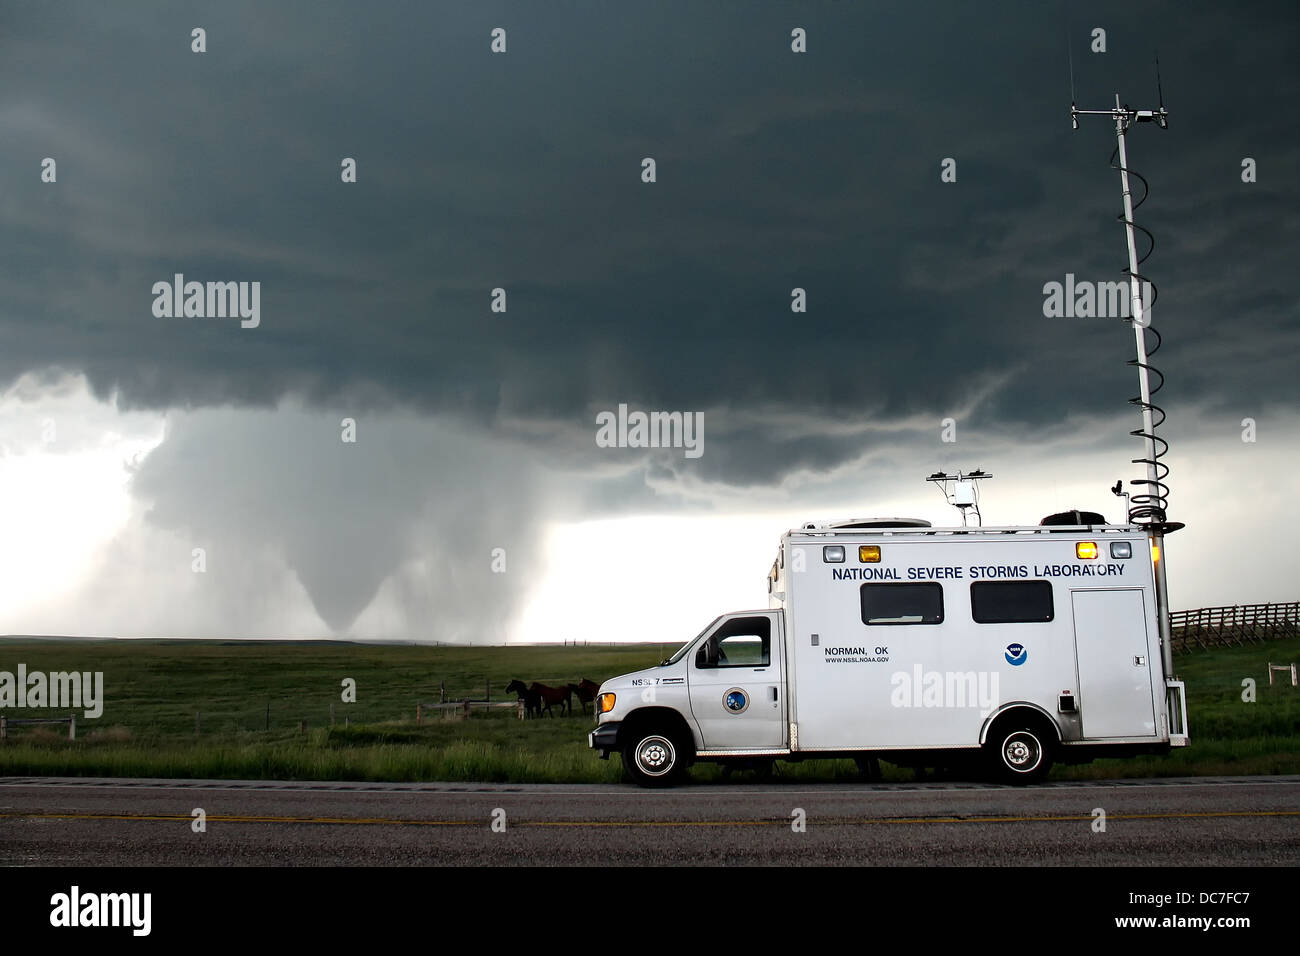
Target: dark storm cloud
[[522, 171]]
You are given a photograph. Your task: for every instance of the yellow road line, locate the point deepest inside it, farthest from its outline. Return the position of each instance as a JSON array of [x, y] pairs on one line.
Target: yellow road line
[[634, 824]]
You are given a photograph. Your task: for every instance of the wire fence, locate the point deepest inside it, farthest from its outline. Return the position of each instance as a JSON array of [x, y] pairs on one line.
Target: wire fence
[[160, 707], [1234, 626]]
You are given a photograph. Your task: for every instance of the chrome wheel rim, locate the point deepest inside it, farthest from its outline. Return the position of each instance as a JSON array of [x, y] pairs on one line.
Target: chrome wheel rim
[[1022, 752], [655, 756]]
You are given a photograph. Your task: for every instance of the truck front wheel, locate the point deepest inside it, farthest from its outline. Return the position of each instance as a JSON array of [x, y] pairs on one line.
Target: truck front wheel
[[653, 759]]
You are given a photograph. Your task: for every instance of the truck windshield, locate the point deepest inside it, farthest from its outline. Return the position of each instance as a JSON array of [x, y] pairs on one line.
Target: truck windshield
[[681, 651]]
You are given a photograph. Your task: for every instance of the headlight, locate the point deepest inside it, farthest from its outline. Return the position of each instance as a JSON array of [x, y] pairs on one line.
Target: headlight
[[604, 703]]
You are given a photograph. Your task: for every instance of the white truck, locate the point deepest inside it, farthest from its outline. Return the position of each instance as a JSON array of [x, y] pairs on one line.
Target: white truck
[[891, 639]]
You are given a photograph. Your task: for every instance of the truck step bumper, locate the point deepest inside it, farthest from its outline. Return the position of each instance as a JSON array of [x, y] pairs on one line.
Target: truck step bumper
[[604, 738]]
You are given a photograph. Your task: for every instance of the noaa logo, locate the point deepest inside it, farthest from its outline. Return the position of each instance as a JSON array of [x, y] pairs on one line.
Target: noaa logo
[[735, 700], [1016, 654]]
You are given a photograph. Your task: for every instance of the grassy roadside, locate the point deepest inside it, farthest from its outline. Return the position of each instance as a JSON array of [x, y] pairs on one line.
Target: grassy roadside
[[153, 690]]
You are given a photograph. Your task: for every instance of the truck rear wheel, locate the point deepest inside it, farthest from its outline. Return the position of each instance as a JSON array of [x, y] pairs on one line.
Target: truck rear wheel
[[1020, 753], [653, 759]]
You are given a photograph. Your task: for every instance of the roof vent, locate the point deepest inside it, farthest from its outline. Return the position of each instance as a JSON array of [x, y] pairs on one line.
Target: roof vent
[[855, 524]]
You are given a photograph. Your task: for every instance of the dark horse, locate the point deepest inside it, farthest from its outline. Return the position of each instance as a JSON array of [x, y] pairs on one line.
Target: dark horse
[[532, 700], [553, 695], [585, 690]]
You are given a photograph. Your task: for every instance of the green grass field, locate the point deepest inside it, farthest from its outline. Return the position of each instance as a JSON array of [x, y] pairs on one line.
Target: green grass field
[[251, 698]]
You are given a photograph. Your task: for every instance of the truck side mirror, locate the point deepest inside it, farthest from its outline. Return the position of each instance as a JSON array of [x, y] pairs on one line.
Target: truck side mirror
[[707, 656]]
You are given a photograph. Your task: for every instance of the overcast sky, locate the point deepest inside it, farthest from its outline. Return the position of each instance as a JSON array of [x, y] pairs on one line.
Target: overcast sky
[[128, 440]]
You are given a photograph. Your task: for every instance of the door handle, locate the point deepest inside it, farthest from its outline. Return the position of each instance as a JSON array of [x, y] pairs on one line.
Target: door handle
[[774, 695]]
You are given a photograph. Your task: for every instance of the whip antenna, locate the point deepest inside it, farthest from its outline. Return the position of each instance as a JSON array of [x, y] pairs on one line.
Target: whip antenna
[[1147, 509]]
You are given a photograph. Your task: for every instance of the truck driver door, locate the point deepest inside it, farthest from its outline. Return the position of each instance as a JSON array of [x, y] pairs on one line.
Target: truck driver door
[[737, 695]]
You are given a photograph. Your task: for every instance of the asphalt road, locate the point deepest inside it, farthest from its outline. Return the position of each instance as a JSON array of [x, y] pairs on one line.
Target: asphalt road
[[1183, 822]]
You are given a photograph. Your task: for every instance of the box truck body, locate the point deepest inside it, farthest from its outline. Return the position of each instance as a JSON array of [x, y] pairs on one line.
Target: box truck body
[[889, 639]]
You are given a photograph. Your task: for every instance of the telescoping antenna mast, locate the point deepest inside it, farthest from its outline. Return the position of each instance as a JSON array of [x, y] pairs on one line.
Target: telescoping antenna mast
[[1147, 509]]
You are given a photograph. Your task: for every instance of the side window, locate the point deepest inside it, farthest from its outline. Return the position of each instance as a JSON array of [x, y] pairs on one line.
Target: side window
[[920, 603], [1011, 602], [740, 642]]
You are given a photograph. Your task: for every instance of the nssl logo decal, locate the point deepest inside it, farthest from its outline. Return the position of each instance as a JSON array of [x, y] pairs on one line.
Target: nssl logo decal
[[736, 700], [1016, 654]]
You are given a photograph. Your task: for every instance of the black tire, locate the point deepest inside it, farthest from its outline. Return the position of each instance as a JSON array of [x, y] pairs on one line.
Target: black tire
[[654, 758], [1020, 753], [868, 768]]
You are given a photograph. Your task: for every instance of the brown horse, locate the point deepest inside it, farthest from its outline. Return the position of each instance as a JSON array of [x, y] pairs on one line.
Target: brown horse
[[585, 690], [553, 695], [532, 701]]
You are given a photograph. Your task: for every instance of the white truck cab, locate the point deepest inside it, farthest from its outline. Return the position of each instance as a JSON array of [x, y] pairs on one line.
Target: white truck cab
[[923, 646]]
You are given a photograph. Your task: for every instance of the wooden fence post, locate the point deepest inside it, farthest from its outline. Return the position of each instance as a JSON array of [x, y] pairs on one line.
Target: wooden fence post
[[419, 715], [465, 713], [4, 728], [302, 726], [442, 692], [72, 726]]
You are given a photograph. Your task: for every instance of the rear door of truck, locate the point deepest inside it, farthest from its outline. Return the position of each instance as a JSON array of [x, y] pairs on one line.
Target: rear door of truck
[[1114, 660]]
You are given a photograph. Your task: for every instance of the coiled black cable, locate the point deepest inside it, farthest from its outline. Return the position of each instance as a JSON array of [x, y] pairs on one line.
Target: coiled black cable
[[1149, 507]]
